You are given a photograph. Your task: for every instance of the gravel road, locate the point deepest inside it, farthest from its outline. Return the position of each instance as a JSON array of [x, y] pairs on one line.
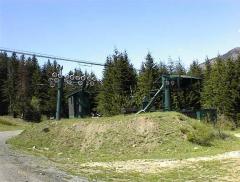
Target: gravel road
[[26, 168]]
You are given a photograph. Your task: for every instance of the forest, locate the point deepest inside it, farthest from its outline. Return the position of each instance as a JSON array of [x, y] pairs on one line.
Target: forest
[[25, 91]]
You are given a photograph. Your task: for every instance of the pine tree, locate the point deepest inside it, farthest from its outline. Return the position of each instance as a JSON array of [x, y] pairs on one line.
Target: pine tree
[[48, 94], [119, 78], [10, 85], [162, 69], [217, 92], [3, 77], [171, 66], [179, 69], [232, 88], [36, 77], [147, 78], [193, 95], [195, 70], [236, 81], [23, 92], [178, 97]]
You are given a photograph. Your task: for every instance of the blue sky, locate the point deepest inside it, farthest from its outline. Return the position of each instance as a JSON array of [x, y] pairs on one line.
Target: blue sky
[[91, 29]]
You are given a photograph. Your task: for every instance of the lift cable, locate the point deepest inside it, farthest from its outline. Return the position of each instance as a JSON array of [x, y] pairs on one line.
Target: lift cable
[[28, 53]]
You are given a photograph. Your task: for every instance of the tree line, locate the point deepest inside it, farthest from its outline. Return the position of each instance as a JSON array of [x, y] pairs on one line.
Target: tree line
[[25, 91]]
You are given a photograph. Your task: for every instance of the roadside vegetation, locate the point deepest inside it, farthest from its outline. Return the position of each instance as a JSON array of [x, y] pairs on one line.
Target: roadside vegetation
[[8, 123], [77, 144], [217, 170]]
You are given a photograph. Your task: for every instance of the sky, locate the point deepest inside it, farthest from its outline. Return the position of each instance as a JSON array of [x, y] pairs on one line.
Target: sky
[[91, 29]]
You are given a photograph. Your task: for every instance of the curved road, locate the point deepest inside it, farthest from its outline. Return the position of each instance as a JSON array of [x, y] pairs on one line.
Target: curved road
[[25, 168]]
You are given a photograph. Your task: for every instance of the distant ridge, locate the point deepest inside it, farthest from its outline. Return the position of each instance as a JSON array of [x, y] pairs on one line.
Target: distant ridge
[[232, 54]]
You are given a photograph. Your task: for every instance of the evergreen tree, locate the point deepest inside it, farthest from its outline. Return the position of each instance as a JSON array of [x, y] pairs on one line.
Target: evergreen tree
[[23, 84], [48, 94], [10, 85], [147, 78], [195, 70], [171, 66], [236, 86], [193, 95], [178, 98], [179, 69], [162, 69], [232, 88], [119, 78], [3, 77], [208, 69], [217, 91]]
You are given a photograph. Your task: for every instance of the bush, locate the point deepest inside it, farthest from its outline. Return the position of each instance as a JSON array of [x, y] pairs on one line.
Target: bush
[[32, 111], [5, 122], [32, 115], [225, 123], [201, 134], [237, 122]]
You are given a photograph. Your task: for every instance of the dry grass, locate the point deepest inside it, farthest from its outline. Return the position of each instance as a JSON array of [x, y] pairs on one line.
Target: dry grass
[[9, 123], [152, 136]]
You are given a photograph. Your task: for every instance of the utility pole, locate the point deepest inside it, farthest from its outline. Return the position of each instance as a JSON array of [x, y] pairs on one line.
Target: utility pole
[[59, 95], [166, 82]]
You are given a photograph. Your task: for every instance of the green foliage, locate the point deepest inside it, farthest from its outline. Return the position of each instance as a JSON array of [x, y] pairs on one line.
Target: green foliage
[[32, 115], [10, 84], [3, 77], [147, 77], [32, 112], [195, 70], [221, 87], [141, 139], [22, 78], [4, 121], [224, 123], [8, 123], [119, 80], [200, 133]]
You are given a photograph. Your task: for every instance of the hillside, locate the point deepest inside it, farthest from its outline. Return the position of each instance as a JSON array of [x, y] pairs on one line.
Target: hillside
[[75, 144], [232, 54], [8, 123]]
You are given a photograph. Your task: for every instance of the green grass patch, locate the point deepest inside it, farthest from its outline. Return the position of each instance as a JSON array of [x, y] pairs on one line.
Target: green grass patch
[[8, 123], [146, 136], [167, 135], [215, 170], [201, 171]]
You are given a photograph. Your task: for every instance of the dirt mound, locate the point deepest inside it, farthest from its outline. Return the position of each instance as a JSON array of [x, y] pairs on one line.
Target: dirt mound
[[110, 138]]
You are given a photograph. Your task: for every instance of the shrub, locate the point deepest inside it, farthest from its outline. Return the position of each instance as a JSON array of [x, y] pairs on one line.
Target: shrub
[[225, 123], [5, 122], [201, 134], [237, 122], [32, 115], [32, 111]]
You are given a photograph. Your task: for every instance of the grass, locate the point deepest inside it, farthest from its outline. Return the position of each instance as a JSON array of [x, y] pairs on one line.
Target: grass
[[8, 123], [72, 142], [201, 171]]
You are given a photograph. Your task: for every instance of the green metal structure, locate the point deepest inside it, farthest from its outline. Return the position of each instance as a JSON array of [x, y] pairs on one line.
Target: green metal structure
[[78, 104], [167, 81], [59, 98]]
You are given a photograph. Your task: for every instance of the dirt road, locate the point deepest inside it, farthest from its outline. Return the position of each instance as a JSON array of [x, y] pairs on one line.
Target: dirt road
[[26, 168]]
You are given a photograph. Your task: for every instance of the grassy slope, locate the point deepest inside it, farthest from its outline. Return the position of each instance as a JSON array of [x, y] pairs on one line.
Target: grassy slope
[[225, 170], [146, 136], [8, 123]]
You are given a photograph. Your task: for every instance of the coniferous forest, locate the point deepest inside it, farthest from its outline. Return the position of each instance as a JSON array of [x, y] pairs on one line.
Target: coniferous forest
[[25, 90]]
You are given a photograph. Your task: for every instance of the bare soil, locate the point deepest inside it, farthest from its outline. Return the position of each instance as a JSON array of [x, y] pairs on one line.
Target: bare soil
[[155, 166], [26, 168]]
